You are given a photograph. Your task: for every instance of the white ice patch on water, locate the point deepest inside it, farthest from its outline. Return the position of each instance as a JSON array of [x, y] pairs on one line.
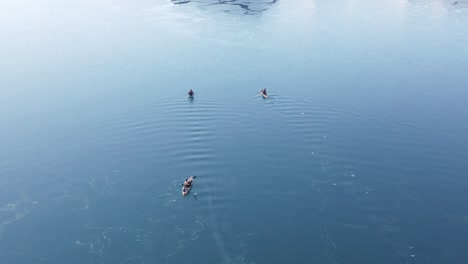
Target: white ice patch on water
[[20, 215], [79, 243], [9, 207], [12, 212]]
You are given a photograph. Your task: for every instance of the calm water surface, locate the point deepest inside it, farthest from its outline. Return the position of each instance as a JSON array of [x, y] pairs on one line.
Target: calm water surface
[[358, 156]]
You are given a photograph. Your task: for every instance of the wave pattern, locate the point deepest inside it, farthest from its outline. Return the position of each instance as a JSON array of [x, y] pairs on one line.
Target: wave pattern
[[307, 165]]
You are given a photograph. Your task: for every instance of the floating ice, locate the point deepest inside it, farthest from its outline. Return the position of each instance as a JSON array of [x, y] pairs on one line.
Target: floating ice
[[9, 207]]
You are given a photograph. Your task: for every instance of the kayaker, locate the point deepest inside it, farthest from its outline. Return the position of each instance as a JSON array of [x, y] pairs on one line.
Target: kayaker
[[191, 93], [187, 183]]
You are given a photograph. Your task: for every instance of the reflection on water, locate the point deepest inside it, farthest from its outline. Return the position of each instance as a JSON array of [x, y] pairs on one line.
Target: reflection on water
[[233, 6]]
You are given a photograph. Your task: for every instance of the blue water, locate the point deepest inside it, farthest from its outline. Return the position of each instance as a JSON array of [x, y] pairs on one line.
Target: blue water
[[358, 155]]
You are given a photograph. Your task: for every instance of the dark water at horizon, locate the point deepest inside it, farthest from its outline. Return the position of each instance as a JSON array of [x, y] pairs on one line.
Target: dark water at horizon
[[358, 156]]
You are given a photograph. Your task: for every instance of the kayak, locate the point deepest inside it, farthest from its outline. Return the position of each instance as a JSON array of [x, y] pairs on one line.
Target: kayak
[[264, 95], [186, 190]]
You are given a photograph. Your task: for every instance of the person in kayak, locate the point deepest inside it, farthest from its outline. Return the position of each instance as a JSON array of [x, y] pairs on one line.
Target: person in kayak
[[187, 183], [191, 93], [264, 92]]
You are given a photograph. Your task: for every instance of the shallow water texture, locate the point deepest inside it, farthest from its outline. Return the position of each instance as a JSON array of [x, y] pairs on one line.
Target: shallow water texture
[[357, 156]]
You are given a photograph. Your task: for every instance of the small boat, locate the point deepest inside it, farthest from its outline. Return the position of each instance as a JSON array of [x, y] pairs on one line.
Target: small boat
[[264, 95], [185, 189]]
